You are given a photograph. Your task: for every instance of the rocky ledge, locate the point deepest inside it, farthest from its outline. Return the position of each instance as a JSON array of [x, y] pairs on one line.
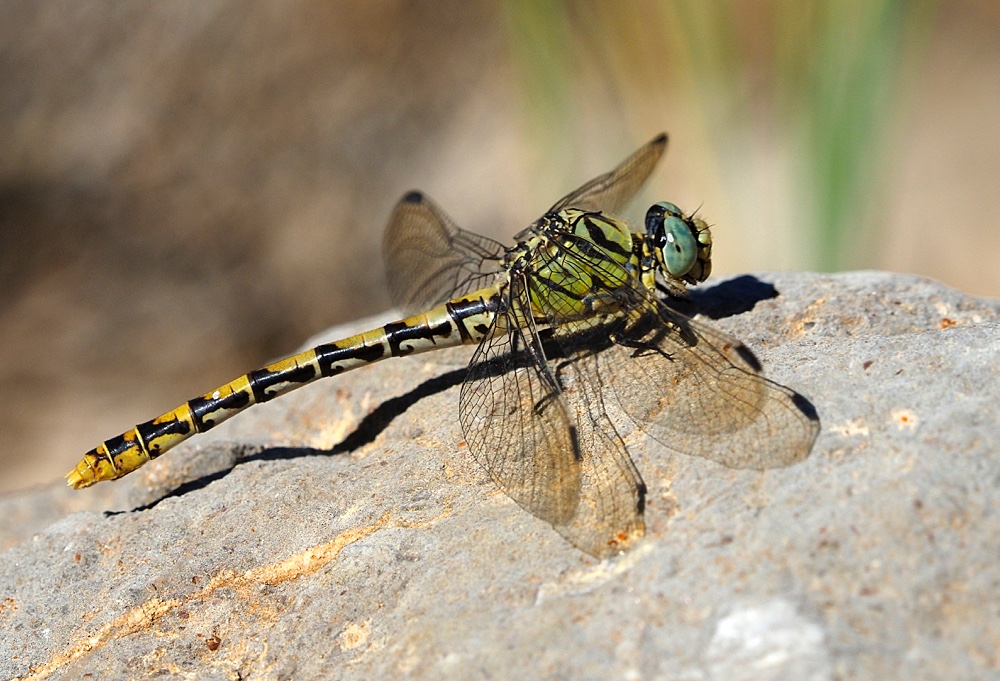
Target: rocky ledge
[[343, 531]]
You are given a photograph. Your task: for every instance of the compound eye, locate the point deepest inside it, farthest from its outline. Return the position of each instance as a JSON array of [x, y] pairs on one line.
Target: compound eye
[[680, 249], [669, 208], [655, 216]]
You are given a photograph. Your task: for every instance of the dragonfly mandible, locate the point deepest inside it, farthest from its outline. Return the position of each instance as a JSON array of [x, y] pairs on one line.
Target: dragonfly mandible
[[565, 321]]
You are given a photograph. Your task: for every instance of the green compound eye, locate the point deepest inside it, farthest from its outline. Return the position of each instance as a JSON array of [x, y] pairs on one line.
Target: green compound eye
[[680, 249], [669, 208]]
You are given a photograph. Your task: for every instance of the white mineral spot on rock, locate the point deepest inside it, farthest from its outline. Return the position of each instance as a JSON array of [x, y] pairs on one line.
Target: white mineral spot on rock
[[853, 427], [771, 641]]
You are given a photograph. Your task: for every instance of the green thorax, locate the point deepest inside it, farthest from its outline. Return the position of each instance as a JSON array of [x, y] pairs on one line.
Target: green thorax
[[573, 262]]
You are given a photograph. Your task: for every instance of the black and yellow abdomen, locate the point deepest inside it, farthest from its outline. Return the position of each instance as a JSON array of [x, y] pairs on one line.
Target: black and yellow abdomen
[[460, 321]]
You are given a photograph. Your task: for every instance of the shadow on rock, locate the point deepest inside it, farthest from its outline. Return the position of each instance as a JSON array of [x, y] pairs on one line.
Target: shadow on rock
[[732, 297], [371, 427]]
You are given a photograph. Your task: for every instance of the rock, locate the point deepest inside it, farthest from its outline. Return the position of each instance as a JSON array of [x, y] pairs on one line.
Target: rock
[[344, 531]]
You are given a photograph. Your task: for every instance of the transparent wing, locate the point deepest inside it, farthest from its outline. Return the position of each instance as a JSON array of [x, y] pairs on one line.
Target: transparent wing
[[608, 516], [611, 192], [517, 425], [554, 452], [430, 260], [700, 392]]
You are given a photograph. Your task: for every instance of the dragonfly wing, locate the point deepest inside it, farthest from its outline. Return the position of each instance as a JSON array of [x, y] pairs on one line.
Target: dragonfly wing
[[430, 260], [553, 451], [611, 192], [608, 518], [518, 426], [700, 392]]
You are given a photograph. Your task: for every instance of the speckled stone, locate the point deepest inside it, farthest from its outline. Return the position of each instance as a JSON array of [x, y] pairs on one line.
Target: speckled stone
[[343, 531]]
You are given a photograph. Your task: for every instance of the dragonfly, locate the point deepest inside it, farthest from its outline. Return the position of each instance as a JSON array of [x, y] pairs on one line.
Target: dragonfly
[[576, 334]]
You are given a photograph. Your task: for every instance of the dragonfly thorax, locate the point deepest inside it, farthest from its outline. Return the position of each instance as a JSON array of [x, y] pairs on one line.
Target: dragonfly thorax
[[573, 263]]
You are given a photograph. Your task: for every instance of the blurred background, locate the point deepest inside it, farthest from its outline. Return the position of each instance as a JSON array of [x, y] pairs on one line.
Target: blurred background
[[191, 188]]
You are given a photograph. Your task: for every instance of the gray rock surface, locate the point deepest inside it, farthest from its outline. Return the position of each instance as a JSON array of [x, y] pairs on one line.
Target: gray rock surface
[[343, 531]]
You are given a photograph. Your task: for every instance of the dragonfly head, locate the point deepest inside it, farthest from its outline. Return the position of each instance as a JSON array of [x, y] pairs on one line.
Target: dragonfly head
[[682, 243]]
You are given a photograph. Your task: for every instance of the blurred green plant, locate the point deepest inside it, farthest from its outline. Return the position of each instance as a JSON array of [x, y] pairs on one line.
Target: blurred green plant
[[825, 79], [541, 36]]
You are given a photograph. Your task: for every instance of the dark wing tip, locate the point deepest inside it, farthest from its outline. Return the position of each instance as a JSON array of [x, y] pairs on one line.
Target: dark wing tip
[[805, 406], [660, 140], [413, 196]]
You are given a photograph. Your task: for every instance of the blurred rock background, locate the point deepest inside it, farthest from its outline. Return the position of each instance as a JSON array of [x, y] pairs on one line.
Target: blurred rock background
[[189, 188]]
